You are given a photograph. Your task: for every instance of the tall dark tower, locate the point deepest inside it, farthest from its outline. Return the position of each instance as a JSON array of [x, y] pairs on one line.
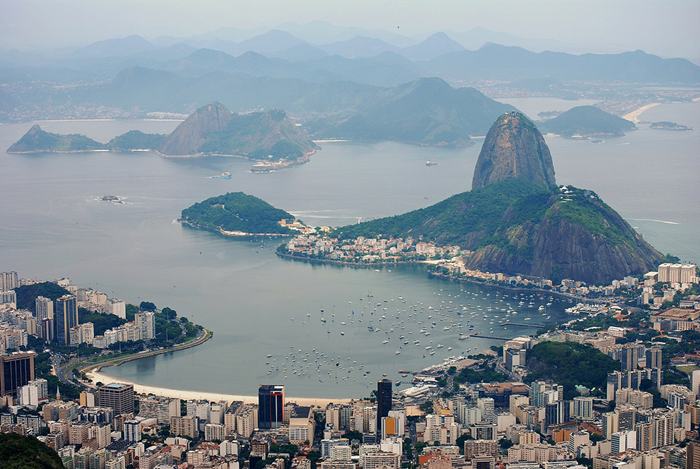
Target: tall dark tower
[[383, 402], [65, 314], [270, 406]]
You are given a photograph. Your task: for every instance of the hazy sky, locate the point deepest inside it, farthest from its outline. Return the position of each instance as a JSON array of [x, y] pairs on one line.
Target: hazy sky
[[666, 27]]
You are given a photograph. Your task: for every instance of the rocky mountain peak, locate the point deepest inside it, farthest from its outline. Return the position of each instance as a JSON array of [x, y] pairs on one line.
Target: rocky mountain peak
[[190, 134], [514, 149]]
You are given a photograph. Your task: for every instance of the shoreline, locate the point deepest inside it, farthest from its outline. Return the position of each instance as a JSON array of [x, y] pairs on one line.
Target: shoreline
[[95, 373], [435, 275], [231, 234], [210, 396], [637, 113]]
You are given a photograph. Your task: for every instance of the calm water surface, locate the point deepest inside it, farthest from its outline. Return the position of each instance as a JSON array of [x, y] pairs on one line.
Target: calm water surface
[[258, 305]]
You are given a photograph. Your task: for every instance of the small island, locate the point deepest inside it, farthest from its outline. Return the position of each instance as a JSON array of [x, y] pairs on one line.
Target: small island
[[668, 125], [585, 122], [237, 214]]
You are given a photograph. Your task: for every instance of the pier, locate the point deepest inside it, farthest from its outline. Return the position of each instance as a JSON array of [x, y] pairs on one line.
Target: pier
[[522, 324], [480, 336]]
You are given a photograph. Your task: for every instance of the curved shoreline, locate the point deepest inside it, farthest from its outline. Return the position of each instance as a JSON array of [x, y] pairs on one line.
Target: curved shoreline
[[94, 372], [116, 361], [285, 255], [634, 115]]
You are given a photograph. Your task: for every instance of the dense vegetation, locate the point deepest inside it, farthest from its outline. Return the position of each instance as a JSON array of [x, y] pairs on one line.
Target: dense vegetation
[[470, 219], [569, 364], [487, 374], [38, 140], [136, 140], [689, 343], [27, 294], [100, 321], [517, 227], [587, 120], [491, 215], [236, 211], [26, 452]]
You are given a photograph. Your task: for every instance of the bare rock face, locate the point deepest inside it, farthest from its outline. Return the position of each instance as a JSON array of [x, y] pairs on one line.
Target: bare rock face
[[191, 134], [514, 149]]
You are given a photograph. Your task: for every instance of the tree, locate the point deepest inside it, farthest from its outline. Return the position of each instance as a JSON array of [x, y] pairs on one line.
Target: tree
[[26, 452], [461, 439], [505, 443], [569, 364], [147, 306], [427, 407], [353, 435]]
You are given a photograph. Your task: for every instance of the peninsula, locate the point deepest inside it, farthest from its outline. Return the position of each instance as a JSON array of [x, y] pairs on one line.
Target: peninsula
[[516, 220]]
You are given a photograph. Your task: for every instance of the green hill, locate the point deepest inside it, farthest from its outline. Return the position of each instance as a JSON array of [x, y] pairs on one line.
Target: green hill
[[587, 121], [236, 211], [520, 228], [517, 220], [569, 364], [26, 452], [136, 140], [37, 140], [26, 294]]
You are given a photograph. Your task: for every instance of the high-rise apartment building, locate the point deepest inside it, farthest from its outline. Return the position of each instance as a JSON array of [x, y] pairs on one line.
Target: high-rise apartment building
[[270, 406], [185, 426], [43, 308], [8, 297], [118, 396], [146, 323], [8, 281], [693, 455], [583, 408], [677, 273], [117, 307], [384, 401], [65, 318], [654, 357], [16, 370]]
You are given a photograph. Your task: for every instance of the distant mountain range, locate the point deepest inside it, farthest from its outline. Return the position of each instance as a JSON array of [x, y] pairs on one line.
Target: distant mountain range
[[211, 130], [131, 76], [517, 220], [587, 121]]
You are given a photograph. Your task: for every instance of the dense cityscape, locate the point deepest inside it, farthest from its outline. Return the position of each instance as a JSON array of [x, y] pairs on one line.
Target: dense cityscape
[[616, 386]]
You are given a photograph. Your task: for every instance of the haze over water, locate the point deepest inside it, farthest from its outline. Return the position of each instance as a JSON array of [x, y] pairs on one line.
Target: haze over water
[[256, 304]]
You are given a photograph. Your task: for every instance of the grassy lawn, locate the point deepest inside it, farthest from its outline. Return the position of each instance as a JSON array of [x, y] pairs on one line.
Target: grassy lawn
[[687, 369]]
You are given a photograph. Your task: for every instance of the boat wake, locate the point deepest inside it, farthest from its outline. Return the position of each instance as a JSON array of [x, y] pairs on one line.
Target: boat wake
[[654, 220]]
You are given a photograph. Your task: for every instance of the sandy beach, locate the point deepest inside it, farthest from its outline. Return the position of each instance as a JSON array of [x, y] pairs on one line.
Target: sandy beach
[[636, 114], [97, 376]]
